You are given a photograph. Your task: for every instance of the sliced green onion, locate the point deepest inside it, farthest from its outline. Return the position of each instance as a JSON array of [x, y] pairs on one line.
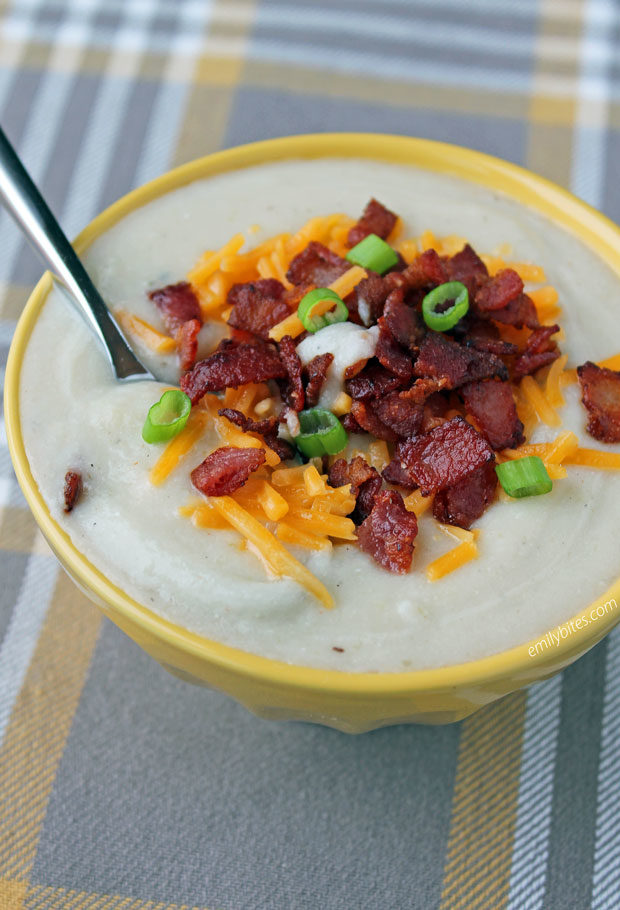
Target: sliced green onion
[[167, 417], [451, 290], [321, 433], [307, 303], [524, 477], [373, 253]]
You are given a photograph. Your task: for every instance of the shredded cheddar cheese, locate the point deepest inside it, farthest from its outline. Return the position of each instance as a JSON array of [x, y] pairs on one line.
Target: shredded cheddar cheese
[[534, 395], [145, 332], [528, 272], [278, 557], [463, 553]]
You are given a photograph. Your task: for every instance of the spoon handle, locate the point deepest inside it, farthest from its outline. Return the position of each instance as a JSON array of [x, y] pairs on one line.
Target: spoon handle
[[27, 206]]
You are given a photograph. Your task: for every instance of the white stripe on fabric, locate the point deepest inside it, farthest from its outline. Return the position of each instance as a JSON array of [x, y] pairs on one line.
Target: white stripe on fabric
[[23, 630], [411, 28], [531, 840], [606, 875], [101, 136], [36, 148], [169, 107], [594, 91]]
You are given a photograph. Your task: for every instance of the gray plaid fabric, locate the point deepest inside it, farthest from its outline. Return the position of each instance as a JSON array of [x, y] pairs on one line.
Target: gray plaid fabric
[[121, 787]]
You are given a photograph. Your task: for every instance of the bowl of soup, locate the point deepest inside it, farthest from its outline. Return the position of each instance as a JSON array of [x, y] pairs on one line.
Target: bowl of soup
[[540, 584]]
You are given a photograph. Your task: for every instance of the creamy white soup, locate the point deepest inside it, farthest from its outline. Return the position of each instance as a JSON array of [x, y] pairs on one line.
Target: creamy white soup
[[540, 559]]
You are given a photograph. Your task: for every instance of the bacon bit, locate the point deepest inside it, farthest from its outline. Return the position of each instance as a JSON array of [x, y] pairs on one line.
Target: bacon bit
[[422, 389], [263, 427], [442, 358], [365, 483], [72, 489], [539, 351], [292, 390], [389, 532], [316, 265], [375, 219], [177, 304], [393, 356], [600, 390], [350, 424], [402, 322], [468, 268], [187, 342], [426, 271], [493, 407], [442, 457], [397, 411], [463, 502], [232, 366], [484, 336], [368, 299], [316, 374], [225, 470], [499, 291], [373, 381], [364, 415], [518, 313], [257, 305]]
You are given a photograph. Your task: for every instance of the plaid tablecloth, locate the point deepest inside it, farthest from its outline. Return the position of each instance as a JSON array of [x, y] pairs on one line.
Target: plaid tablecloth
[[121, 787]]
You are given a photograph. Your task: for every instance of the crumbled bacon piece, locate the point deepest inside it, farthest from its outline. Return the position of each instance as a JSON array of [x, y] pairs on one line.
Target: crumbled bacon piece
[[483, 335], [316, 265], [600, 390], [468, 268], [426, 271], [231, 366], [443, 456], [393, 356], [375, 219], [187, 342], [368, 298], [498, 292], [402, 322], [267, 428], [442, 358], [435, 408], [350, 424], [365, 483], [316, 374], [493, 407], [518, 313], [293, 389], [389, 532], [372, 382], [366, 418], [463, 502], [72, 489], [177, 304], [225, 470], [540, 350], [423, 389], [257, 306], [397, 411]]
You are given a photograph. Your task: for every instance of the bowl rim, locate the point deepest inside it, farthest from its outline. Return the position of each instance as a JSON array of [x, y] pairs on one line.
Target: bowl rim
[[594, 229]]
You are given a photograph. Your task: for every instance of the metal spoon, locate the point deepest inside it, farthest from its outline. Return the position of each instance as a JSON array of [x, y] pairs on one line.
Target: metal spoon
[[29, 209]]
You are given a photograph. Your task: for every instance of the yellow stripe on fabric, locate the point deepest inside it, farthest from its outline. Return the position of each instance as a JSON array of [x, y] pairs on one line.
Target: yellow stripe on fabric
[[40, 722], [357, 87], [484, 808], [216, 75], [553, 105], [15, 895], [18, 531]]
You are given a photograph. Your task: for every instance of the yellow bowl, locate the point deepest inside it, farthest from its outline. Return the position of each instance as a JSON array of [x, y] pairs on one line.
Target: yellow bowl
[[353, 702]]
